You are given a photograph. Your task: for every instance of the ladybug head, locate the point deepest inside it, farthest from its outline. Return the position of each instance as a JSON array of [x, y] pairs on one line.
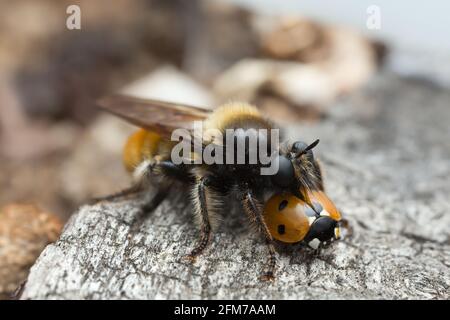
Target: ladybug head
[[322, 232], [325, 222]]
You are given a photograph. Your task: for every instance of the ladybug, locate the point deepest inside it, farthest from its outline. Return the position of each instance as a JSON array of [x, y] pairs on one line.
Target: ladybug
[[291, 220]]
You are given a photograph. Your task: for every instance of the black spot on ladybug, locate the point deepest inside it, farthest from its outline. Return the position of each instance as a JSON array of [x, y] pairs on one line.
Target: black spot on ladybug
[[281, 229], [282, 205]]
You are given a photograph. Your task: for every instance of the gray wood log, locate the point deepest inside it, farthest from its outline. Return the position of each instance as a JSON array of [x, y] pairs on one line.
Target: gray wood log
[[386, 155]]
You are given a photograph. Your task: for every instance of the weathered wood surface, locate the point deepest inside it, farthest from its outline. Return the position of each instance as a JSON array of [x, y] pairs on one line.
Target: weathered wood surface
[[386, 154]]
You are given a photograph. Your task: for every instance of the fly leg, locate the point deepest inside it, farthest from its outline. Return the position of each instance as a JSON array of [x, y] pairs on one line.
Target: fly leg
[[201, 201], [253, 208]]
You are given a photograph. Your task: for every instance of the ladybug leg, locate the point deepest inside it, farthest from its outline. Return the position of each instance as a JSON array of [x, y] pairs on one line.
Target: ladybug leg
[[253, 208], [201, 207]]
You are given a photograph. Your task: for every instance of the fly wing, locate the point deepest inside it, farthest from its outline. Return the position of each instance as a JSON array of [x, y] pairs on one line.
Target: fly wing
[[158, 116]]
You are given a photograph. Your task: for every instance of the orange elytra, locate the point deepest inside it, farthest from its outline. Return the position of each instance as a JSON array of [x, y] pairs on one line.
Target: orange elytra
[[286, 218], [289, 218]]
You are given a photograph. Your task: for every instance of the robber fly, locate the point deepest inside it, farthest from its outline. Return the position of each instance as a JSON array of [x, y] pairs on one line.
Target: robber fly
[[288, 205]]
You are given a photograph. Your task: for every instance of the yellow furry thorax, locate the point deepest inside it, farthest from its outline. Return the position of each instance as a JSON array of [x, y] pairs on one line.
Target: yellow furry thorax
[[234, 115]]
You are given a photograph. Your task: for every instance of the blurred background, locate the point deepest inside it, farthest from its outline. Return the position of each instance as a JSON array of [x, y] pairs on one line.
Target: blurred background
[[296, 60]]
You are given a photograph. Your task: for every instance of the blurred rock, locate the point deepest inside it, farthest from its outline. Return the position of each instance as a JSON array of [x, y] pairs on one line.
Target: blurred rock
[[303, 88], [59, 72], [296, 39], [25, 230], [21, 138], [94, 166], [170, 84], [220, 34], [284, 111], [306, 65]]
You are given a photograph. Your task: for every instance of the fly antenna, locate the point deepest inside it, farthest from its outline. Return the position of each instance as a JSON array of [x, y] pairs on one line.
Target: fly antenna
[[311, 146]]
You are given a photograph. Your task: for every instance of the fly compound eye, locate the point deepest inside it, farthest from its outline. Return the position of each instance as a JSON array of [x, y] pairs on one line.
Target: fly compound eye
[[285, 174], [322, 230]]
